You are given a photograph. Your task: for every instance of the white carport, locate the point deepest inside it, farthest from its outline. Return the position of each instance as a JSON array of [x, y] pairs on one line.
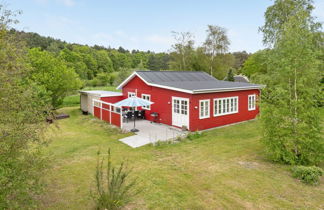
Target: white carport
[[87, 96]]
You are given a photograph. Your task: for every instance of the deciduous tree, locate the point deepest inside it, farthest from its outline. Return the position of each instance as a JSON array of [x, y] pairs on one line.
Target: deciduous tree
[[291, 129], [183, 50], [53, 75], [216, 43], [22, 121]]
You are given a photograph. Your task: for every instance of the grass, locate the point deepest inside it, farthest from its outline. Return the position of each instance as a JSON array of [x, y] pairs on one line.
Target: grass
[[225, 168], [74, 100]]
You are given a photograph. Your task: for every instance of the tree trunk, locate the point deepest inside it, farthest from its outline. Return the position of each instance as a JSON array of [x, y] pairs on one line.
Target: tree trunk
[[295, 110], [211, 65], [183, 60]]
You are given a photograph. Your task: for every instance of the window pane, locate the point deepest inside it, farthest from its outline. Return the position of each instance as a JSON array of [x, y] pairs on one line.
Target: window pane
[[232, 105], [215, 107], [206, 108], [250, 102], [235, 104]]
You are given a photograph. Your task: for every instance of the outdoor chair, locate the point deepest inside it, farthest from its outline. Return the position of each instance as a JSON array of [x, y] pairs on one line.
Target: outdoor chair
[[136, 114], [129, 116], [141, 114]]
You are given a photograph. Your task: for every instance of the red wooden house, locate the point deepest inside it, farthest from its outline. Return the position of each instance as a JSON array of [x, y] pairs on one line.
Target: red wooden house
[[194, 100]]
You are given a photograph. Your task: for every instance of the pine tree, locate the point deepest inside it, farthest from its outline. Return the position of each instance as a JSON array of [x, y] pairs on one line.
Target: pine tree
[[230, 75]]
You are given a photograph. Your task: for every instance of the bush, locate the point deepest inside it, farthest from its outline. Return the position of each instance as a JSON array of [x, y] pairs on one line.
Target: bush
[[194, 135], [160, 143], [113, 188], [307, 174]]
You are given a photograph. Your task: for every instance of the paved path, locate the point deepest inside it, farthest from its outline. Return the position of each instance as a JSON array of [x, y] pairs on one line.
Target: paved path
[[149, 133]]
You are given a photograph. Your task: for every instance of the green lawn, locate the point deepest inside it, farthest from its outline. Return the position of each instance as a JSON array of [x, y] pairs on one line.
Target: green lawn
[[74, 100], [226, 168]]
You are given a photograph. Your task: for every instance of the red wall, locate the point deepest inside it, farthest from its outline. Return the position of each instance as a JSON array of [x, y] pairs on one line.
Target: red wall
[[242, 115], [116, 119], [162, 99], [96, 111], [112, 99], [105, 115]]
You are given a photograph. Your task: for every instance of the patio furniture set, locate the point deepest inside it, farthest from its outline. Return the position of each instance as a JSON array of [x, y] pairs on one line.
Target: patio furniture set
[[130, 114]]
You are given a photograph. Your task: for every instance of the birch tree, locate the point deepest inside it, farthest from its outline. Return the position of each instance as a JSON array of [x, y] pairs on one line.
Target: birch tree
[[290, 116], [216, 43], [279, 13], [183, 50]]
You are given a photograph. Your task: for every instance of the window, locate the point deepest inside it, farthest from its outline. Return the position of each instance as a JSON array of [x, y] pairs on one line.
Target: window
[[252, 100], [204, 109], [176, 106], [146, 97], [116, 109], [96, 103], [131, 94], [184, 107], [224, 106]]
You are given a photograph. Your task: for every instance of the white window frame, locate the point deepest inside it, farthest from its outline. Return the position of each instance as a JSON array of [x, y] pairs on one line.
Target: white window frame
[[226, 106], [144, 96], [131, 94], [252, 102], [204, 109]]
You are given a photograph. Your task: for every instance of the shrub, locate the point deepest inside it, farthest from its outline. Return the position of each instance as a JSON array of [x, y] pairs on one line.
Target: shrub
[[114, 189], [194, 135], [162, 143], [307, 174]]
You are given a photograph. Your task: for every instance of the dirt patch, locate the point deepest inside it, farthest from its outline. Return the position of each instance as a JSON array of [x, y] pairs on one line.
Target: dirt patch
[[247, 164]]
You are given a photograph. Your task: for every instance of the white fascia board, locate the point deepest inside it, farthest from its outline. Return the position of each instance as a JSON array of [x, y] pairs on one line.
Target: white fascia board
[[187, 91], [163, 86], [172, 88], [150, 84], [226, 89], [109, 95]]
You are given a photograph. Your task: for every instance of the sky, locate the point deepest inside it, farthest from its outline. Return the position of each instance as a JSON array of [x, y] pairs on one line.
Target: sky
[[145, 24]]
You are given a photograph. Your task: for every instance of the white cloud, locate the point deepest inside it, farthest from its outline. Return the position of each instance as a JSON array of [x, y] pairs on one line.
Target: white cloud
[[101, 39], [41, 1], [158, 39], [67, 3], [61, 22]]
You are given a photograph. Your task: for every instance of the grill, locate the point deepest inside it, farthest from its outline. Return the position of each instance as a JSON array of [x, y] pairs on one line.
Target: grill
[[155, 116]]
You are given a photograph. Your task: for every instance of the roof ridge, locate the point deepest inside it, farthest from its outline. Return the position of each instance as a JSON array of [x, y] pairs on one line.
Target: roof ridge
[[168, 71]]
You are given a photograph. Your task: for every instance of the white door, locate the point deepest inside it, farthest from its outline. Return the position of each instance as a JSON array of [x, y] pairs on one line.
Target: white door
[[180, 112]]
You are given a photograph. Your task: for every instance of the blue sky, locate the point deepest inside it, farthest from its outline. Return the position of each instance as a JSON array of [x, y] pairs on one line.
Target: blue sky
[[145, 24]]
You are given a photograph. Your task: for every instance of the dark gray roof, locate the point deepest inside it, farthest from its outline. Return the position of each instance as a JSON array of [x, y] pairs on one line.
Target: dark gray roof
[[241, 78], [191, 80]]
